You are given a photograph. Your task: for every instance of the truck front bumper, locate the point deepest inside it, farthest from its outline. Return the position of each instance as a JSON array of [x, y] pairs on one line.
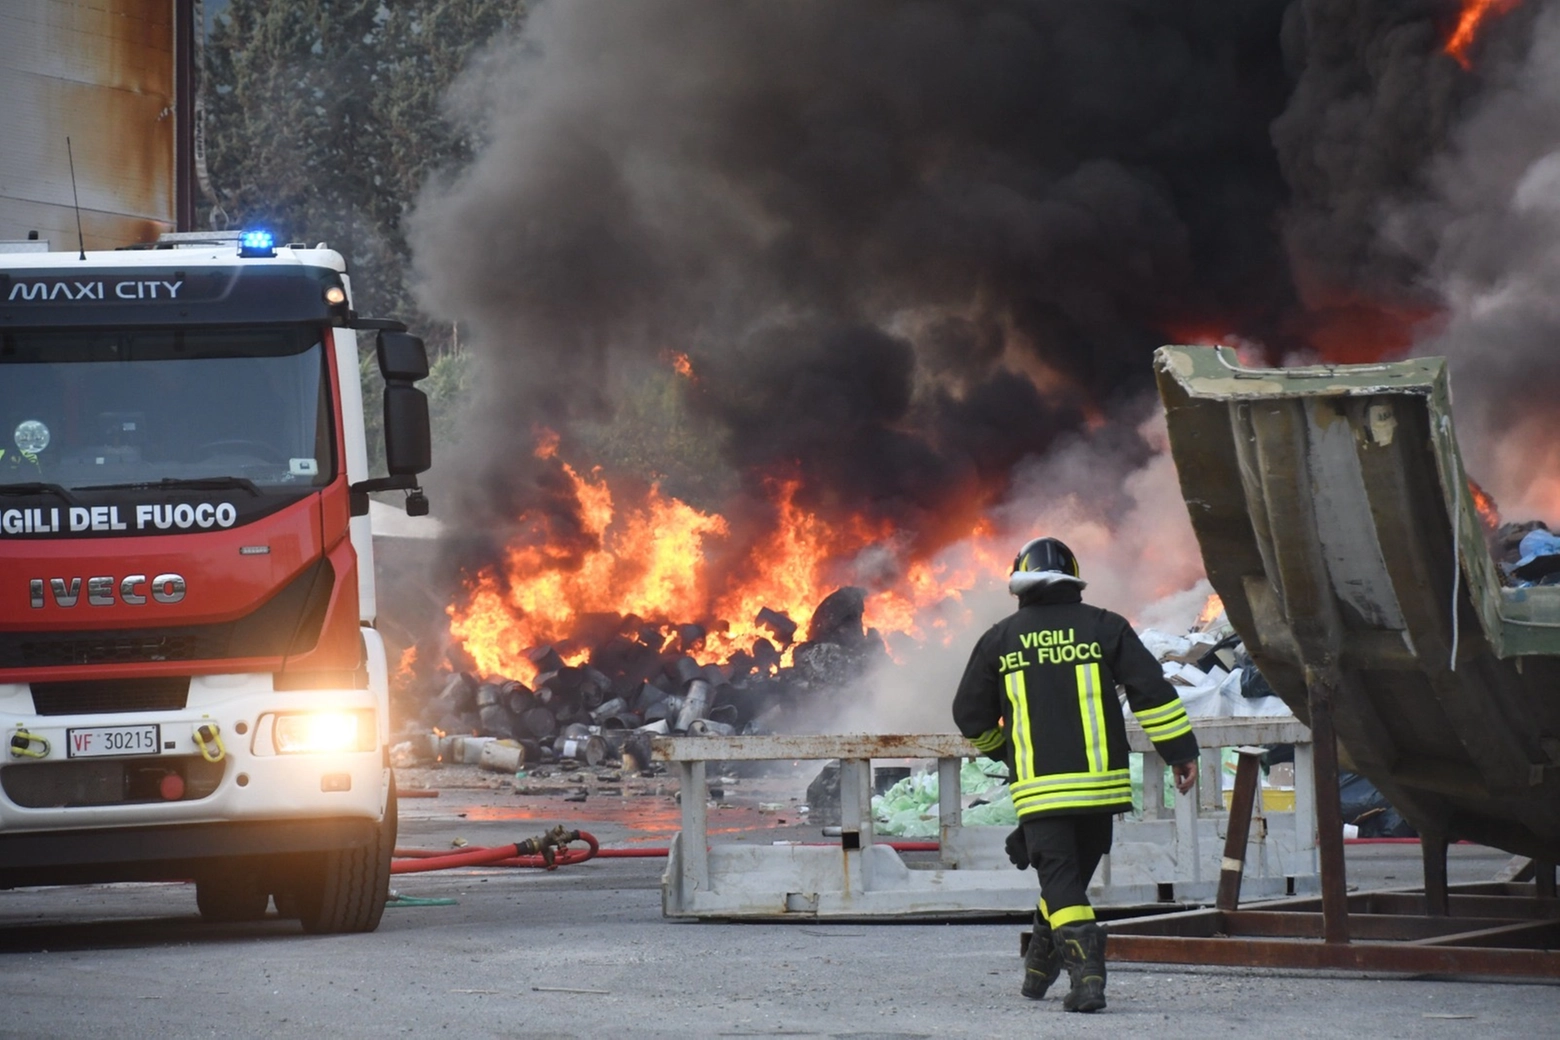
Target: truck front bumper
[[74, 813], [166, 853]]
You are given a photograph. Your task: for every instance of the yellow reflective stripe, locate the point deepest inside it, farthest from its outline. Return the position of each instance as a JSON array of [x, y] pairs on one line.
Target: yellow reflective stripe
[[1083, 795], [1163, 713], [1092, 717], [1053, 781], [989, 740], [1169, 732], [1023, 748], [1168, 720], [1045, 915], [1073, 799], [1067, 915]]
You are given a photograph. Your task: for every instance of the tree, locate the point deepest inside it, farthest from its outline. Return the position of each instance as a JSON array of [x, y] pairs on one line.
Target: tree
[[446, 387], [326, 117]]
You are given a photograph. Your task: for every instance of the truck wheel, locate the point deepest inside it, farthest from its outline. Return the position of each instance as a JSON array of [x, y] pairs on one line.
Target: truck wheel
[[231, 897], [348, 892]]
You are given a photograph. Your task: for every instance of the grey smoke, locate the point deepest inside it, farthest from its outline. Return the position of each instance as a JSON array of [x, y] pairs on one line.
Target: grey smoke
[[1489, 236]]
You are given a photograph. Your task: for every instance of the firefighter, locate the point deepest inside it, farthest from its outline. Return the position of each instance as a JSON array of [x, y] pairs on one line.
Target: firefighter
[[17, 466], [1040, 691]]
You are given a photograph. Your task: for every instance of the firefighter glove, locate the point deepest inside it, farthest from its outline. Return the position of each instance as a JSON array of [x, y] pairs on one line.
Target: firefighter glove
[[1017, 848]]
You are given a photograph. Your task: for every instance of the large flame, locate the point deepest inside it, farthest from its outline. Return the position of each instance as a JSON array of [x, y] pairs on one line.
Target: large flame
[[652, 561], [1474, 14]]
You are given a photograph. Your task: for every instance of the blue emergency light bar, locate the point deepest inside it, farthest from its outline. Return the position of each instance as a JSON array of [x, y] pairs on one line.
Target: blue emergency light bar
[[256, 243]]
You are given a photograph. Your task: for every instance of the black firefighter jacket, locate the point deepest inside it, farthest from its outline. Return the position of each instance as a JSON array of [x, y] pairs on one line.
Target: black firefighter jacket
[[1040, 690]]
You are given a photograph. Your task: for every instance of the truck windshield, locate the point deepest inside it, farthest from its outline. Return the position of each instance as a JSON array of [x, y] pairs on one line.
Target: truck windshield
[[87, 407]]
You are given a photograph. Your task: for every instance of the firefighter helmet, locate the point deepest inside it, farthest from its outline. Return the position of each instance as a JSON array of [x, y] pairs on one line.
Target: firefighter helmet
[[1046, 554]]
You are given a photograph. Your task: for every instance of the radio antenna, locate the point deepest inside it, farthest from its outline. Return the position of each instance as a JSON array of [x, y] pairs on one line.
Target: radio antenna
[[81, 243]]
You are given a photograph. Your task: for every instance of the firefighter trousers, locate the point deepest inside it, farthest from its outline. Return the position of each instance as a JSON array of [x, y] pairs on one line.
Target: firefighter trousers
[[1065, 850]]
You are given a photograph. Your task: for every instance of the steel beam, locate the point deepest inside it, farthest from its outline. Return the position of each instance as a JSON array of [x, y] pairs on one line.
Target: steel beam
[[1380, 927], [1329, 808], [1433, 850], [1359, 956]]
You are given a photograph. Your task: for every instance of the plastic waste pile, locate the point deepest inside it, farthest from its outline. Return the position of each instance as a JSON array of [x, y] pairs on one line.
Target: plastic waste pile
[[909, 808]]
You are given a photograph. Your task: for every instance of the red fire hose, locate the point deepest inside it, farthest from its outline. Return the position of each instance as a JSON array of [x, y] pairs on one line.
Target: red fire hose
[[552, 850], [520, 854], [533, 852]]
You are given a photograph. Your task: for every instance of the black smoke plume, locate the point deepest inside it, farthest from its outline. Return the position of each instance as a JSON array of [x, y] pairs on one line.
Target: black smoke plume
[[909, 244]]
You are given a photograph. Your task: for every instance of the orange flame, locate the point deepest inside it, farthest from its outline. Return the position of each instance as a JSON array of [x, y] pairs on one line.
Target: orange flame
[[403, 670], [1210, 612], [1489, 512], [546, 443], [1474, 14], [665, 561], [681, 364]]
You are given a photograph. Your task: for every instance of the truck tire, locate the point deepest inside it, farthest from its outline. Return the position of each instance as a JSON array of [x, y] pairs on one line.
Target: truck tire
[[347, 892], [237, 896]]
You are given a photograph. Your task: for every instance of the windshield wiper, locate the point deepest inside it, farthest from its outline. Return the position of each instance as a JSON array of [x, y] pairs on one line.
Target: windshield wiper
[[37, 488], [181, 483]]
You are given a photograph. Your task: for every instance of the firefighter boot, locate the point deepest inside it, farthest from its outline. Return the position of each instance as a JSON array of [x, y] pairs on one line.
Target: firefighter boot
[[1083, 953], [1043, 961]]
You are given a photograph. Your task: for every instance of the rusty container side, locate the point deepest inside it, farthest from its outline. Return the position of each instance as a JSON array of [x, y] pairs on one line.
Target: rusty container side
[[103, 75], [1332, 511]]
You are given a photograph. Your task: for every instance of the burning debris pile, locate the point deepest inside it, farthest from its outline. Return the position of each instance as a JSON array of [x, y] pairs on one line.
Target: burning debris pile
[[643, 679]]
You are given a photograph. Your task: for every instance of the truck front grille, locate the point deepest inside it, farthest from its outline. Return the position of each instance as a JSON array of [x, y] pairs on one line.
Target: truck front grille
[[123, 647], [106, 696]]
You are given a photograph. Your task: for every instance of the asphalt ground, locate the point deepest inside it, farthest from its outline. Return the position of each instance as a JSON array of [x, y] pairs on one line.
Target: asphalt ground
[[584, 952]]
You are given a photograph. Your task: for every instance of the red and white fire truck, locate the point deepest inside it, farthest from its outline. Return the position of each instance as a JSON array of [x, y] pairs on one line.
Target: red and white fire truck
[[191, 686]]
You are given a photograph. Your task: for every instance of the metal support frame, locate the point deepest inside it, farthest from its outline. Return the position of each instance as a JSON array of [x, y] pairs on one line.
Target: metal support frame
[[1156, 859], [1493, 928], [1241, 805]]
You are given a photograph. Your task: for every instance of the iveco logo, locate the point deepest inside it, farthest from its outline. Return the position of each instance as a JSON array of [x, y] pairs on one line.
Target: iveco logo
[[134, 590]]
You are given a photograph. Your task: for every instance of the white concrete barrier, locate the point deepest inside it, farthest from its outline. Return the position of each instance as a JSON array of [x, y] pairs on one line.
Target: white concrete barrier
[[1171, 854]]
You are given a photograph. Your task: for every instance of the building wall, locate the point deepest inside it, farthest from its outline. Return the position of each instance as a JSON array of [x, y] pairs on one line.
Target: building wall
[[102, 73]]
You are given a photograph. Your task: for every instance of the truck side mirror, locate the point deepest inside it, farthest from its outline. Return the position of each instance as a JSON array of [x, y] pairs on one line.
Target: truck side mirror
[[402, 357], [408, 437]]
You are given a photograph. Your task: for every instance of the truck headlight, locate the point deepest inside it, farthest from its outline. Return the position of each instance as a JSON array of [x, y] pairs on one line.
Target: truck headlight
[[315, 732]]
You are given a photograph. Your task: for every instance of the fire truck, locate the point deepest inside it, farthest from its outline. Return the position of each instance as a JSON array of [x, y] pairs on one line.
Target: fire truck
[[191, 685]]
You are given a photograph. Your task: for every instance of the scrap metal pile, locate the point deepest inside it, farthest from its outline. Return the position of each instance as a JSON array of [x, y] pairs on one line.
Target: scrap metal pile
[[647, 679]]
